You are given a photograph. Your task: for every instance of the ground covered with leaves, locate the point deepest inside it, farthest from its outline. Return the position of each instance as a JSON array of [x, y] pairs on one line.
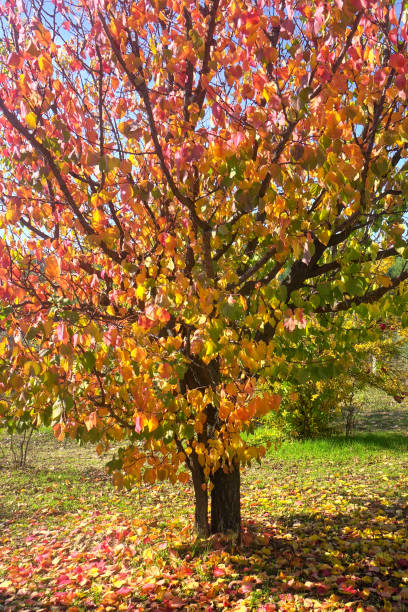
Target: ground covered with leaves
[[324, 528]]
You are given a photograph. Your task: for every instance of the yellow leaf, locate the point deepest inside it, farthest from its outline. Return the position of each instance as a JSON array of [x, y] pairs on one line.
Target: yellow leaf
[[148, 554], [152, 423], [210, 348], [45, 64], [5, 584], [31, 367], [31, 120], [124, 127], [13, 215], [333, 120], [139, 354], [324, 237], [385, 280], [140, 292], [98, 218]]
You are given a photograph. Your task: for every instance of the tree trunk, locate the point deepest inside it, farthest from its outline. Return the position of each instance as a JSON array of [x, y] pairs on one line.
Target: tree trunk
[[226, 502], [201, 500], [225, 495]]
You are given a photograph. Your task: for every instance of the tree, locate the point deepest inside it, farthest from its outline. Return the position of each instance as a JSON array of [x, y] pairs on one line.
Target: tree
[[187, 188], [325, 401]]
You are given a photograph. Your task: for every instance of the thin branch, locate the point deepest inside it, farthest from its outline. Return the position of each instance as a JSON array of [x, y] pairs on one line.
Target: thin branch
[[46, 155], [367, 298]]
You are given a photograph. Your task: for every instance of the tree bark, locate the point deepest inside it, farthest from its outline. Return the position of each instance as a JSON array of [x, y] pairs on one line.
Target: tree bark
[[226, 501], [201, 500], [225, 494]]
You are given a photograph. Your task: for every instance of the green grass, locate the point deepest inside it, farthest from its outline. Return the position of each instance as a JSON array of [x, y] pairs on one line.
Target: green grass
[[338, 447], [320, 511], [66, 478], [332, 457], [362, 445]]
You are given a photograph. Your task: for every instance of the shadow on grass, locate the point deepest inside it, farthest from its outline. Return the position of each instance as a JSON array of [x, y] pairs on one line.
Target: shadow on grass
[[361, 556], [348, 560], [388, 419], [357, 559]]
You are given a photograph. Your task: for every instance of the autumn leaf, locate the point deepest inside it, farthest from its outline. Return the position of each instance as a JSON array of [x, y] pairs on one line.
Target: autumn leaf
[[52, 267], [203, 222], [31, 120], [62, 333]]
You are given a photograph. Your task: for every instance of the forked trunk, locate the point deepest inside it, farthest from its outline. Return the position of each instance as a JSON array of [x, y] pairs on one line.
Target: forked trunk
[[226, 502], [225, 494]]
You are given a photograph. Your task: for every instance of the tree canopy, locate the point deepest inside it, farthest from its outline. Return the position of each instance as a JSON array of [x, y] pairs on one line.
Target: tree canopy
[[192, 195]]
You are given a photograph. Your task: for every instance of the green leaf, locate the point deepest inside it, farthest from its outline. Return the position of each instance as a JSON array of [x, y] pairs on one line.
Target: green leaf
[[297, 298], [88, 360], [325, 141], [373, 250], [282, 293], [314, 300], [315, 190], [187, 431], [324, 290], [67, 400], [130, 267], [32, 333], [4, 312], [112, 162], [355, 286], [301, 375], [57, 410], [114, 464]]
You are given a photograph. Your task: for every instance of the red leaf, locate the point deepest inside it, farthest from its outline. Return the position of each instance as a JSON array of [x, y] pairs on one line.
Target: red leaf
[[62, 333], [401, 81], [397, 62]]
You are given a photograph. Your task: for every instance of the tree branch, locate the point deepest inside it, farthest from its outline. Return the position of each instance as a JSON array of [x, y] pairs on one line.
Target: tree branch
[[367, 298], [46, 155]]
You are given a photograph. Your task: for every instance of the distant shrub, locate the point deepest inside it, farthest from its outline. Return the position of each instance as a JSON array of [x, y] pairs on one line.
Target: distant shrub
[[322, 407], [15, 436], [309, 410]]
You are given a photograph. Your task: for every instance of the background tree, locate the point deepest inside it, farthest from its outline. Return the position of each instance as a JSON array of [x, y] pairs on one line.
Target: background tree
[[329, 399], [186, 186]]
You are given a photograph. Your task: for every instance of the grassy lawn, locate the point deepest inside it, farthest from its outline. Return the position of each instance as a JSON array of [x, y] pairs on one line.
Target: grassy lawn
[[324, 528]]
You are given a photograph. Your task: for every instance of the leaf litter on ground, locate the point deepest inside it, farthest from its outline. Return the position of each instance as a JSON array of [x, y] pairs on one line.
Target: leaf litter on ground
[[317, 535]]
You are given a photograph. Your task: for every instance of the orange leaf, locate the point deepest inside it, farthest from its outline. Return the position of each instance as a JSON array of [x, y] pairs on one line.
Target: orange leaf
[[52, 267]]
